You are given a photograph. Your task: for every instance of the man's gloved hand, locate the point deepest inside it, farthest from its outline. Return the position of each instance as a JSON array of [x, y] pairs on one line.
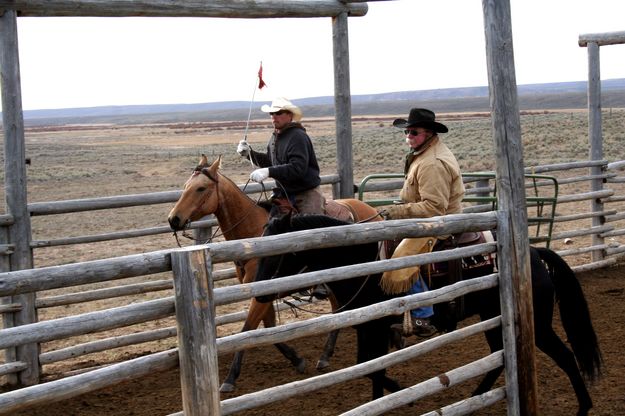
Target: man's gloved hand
[[259, 175], [392, 212], [243, 148]]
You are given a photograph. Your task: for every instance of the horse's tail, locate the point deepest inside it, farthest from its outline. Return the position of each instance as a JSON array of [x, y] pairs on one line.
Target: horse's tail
[[574, 314]]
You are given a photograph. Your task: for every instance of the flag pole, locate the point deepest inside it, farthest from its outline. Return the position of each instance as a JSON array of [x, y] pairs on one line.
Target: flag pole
[[260, 84], [249, 114]]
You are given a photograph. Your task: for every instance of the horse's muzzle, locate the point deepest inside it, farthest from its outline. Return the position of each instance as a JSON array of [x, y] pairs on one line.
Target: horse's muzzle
[[175, 224]]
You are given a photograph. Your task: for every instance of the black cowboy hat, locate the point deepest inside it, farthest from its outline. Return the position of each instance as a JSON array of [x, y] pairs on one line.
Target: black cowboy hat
[[421, 117]]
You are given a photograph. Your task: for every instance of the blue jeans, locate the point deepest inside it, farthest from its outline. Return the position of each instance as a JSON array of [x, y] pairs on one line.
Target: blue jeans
[[424, 311]]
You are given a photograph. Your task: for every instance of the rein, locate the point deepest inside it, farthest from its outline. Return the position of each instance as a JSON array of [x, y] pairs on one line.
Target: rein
[[293, 306], [377, 214]]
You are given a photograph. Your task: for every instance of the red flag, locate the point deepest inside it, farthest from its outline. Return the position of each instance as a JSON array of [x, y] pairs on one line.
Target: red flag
[[261, 83]]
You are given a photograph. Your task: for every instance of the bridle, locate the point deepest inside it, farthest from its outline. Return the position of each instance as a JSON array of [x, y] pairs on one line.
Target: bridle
[[218, 232]]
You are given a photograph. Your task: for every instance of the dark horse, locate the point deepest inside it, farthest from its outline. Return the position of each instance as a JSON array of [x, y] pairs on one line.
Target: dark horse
[[373, 337], [552, 279]]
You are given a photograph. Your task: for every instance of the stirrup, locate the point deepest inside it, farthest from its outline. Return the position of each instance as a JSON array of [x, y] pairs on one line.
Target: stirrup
[[320, 292], [423, 328]]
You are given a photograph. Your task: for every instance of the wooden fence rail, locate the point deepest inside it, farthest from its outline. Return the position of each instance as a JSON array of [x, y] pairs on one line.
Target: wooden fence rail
[[311, 384], [142, 337], [431, 386], [167, 8], [125, 201]]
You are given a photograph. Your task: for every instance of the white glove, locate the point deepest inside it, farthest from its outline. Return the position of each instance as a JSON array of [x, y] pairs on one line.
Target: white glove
[[243, 148], [259, 175]]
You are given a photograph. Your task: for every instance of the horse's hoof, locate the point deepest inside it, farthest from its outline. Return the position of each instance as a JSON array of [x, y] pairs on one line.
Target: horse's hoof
[[226, 388], [301, 366], [321, 364]]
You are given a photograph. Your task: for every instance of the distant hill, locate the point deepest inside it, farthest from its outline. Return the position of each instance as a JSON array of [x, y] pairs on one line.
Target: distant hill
[[531, 97]]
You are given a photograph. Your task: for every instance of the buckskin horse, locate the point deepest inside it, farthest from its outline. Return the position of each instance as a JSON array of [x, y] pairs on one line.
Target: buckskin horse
[[552, 279], [207, 192]]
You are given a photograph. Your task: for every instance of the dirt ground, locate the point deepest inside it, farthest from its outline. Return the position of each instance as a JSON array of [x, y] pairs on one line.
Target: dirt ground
[[264, 367]]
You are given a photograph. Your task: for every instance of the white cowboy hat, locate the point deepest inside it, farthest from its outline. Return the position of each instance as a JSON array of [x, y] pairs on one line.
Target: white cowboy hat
[[282, 103]]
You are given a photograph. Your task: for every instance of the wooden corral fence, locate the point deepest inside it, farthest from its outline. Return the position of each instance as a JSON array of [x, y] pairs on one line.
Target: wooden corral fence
[[592, 42], [573, 185], [102, 270], [88, 273], [573, 179], [200, 386], [18, 230], [26, 334]]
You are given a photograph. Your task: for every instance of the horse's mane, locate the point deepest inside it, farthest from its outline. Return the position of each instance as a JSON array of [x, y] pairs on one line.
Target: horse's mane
[[305, 221], [263, 204], [300, 222]]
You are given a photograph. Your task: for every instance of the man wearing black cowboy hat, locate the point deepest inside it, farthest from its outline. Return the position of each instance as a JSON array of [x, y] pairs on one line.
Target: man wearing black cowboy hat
[[433, 186]]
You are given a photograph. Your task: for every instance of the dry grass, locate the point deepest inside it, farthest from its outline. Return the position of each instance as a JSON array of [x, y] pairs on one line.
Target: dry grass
[[94, 161]]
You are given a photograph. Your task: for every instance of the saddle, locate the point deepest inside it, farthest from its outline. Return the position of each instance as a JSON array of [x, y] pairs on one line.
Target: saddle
[[334, 209], [281, 206], [448, 272], [456, 241], [452, 271], [339, 211]]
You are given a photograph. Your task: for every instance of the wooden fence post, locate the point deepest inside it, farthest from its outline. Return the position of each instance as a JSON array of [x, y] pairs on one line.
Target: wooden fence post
[[596, 140], [203, 235], [512, 234], [19, 235], [197, 337], [343, 106], [10, 354]]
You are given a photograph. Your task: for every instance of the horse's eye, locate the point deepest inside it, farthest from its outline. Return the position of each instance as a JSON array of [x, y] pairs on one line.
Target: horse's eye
[[201, 189]]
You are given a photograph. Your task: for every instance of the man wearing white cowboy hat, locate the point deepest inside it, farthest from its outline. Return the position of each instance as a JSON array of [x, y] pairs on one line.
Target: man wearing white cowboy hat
[[433, 186], [290, 159]]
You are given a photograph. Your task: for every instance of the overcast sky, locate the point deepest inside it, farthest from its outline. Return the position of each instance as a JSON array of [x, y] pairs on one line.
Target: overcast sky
[[397, 46]]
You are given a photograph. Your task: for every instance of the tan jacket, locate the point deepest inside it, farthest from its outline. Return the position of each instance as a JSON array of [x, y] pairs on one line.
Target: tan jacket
[[433, 184]]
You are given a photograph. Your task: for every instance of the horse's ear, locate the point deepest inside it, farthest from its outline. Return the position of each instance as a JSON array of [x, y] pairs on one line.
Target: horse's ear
[[214, 169], [203, 160]]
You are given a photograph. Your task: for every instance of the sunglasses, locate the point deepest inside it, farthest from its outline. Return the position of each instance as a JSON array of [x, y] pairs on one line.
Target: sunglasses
[[412, 132], [278, 113]]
